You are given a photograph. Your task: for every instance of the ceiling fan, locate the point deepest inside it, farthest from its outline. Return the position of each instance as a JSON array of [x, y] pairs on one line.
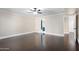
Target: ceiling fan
[[35, 11]]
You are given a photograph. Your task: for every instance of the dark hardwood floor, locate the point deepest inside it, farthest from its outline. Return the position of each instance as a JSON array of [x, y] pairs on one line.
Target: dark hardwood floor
[[69, 43], [34, 42]]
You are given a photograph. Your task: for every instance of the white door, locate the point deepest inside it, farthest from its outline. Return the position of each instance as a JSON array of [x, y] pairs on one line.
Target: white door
[[72, 26]]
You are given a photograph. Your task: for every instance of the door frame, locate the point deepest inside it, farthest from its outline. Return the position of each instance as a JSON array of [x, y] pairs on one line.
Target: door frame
[[76, 29]]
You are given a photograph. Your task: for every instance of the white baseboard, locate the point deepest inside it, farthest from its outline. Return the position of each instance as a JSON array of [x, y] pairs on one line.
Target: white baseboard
[[55, 34], [78, 41], [4, 37]]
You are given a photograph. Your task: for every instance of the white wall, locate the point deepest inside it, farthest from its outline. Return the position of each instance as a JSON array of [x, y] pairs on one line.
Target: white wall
[[66, 25], [38, 23], [54, 24], [11, 23]]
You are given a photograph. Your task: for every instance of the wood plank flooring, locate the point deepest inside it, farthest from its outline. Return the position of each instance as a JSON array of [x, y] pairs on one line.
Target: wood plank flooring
[[32, 42]]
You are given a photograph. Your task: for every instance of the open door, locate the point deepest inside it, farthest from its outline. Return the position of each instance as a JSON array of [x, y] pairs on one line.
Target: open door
[[43, 33], [72, 27]]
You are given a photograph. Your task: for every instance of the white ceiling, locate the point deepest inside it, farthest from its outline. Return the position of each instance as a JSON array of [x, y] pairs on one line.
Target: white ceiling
[[45, 11]]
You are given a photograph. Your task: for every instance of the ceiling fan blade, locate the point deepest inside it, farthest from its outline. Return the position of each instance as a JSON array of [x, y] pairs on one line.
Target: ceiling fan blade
[[29, 11]]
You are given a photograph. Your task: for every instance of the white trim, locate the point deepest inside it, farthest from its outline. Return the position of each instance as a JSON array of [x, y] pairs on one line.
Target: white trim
[[61, 35], [78, 41], [15, 35], [4, 37]]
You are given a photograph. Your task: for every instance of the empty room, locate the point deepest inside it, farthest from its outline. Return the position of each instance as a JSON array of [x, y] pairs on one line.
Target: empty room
[[39, 29]]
